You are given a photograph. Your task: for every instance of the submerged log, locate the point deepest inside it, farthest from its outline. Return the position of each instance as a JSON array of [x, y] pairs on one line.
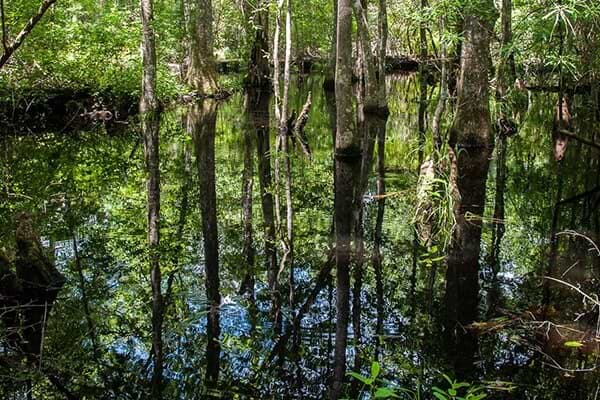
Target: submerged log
[[27, 296]]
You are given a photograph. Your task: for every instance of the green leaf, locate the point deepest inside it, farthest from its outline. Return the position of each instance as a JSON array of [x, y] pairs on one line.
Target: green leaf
[[375, 369], [573, 343], [440, 396], [384, 393], [359, 377]]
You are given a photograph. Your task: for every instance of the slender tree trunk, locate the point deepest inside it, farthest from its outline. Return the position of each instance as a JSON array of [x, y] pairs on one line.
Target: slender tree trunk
[[441, 106], [329, 82], [281, 114], [506, 68], [382, 26], [378, 237], [202, 124], [247, 286], [367, 59], [347, 150], [497, 226], [150, 117], [261, 116], [202, 75], [18, 41]]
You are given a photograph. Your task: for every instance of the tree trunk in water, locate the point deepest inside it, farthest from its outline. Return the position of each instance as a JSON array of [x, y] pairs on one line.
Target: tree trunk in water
[[329, 82], [260, 114], [202, 75], [367, 60], [441, 106], [201, 125], [259, 71], [506, 68], [471, 137], [150, 117], [281, 114], [378, 236], [347, 153], [382, 27], [247, 286], [497, 227]]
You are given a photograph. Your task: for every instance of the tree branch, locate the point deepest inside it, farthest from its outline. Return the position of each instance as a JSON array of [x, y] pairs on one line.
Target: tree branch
[[9, 50]]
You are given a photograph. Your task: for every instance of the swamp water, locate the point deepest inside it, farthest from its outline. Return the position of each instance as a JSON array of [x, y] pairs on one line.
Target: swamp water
[[508, 330]]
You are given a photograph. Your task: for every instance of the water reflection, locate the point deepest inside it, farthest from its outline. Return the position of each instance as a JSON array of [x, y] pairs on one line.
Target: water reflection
[[201, 124], [220, 256]]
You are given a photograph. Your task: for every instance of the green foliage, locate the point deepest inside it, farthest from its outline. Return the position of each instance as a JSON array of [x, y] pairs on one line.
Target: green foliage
[[378, 388]]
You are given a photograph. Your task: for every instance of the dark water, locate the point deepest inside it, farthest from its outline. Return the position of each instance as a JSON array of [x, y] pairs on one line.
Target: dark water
[[532, 338]]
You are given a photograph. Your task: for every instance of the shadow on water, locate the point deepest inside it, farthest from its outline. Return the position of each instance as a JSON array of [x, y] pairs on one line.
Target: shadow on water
[[483, 317]]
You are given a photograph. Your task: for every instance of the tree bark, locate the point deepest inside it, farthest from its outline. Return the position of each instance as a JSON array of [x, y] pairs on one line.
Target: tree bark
[[471, 137], [33, 21], [347, 153], [382, 26], [260, 100], [378, 237], [259, 71], [202, 75], [201, 125], [150, 117], [506, 67], [248, 281]]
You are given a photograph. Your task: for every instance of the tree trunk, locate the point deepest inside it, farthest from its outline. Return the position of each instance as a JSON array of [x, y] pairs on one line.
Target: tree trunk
[[247, 286], [472, 138], [202, 75], [33, 21], [259, 71], [150, 118], [347, 153], [497, 227], [378, 236], [441, 106], [506, 67], [261, 117], [382, 26], [329, 82], [201, 125]]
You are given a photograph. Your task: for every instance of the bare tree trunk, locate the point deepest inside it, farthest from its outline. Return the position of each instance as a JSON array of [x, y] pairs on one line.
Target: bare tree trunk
[[259, 70], [497, 226], [506, 68], [202, 75], [150, 118], [378, 237], [202, 124], [261, 117], [472, 137], [370, 80], [33, 21], [347, 151], [329, 82], [281, 114], [382, 27], [441, 106], [247, 286]]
